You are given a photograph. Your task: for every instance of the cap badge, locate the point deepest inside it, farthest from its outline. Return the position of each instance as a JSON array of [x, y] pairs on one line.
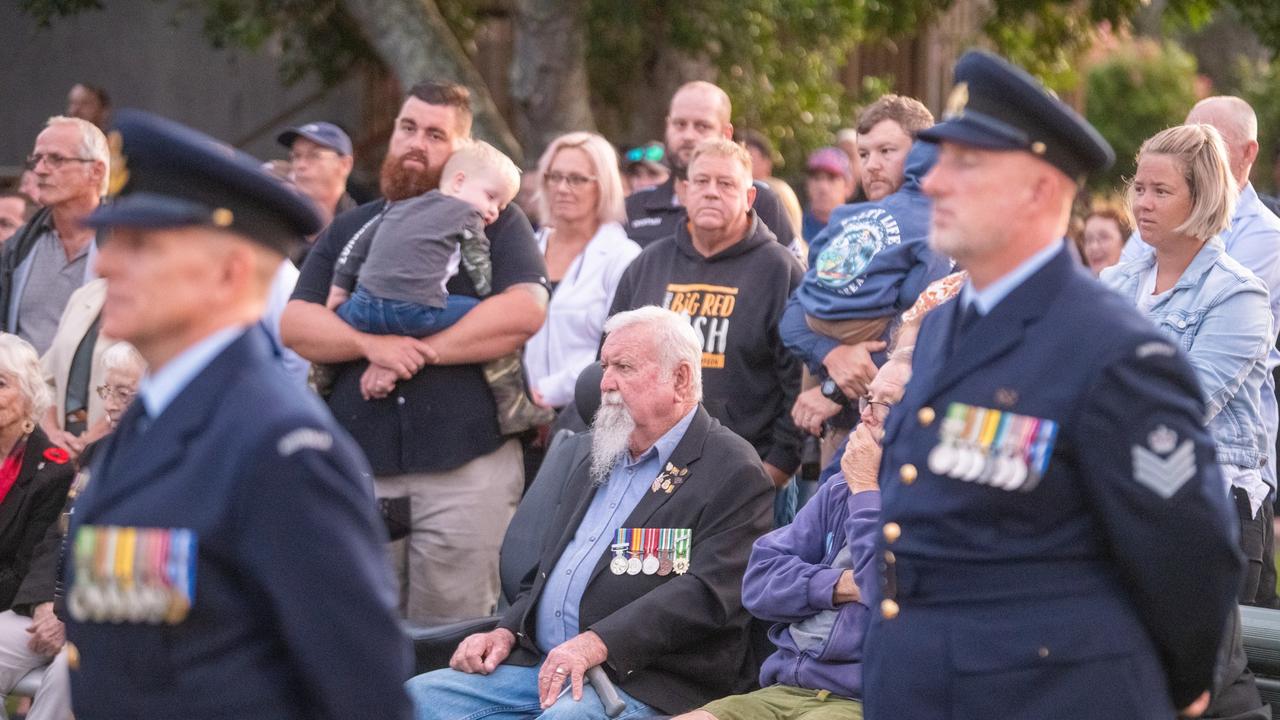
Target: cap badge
[[222, 217], [957, 100], [119, 163]]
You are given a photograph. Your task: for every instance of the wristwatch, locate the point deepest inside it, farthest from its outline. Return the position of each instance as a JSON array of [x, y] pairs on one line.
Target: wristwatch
[[830, 390]]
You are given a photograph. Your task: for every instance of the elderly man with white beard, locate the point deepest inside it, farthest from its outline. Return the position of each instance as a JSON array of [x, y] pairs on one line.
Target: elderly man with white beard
[[645, 578]]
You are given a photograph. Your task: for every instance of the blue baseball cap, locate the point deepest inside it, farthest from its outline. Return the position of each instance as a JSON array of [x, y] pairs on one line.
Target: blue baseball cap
[[996, 105], [320, 133], [178, 177]]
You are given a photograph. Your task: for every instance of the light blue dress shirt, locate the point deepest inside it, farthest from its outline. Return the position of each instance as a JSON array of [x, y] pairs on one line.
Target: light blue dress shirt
[[1253, 240], [629, 480], [159, 389], [990, 296]]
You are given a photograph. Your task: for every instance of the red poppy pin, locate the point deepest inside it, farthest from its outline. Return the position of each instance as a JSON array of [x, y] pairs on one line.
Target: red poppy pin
[[56, 455]]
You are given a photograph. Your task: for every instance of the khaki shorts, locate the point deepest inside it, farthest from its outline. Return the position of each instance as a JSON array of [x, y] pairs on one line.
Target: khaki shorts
[[783, 702]]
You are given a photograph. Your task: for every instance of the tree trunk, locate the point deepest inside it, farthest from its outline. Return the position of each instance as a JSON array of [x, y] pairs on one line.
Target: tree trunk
[[416, 43], [549, 81]]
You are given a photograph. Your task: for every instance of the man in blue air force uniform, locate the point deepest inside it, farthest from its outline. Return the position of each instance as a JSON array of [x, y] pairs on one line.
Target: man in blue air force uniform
[[225, 558], [1056, 538]]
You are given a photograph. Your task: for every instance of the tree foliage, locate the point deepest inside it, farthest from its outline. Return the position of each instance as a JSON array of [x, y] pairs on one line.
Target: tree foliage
[[1141, 89], [777, 58]]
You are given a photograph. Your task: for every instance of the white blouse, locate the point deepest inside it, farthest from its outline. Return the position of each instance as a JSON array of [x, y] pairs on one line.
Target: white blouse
[[570, 338]]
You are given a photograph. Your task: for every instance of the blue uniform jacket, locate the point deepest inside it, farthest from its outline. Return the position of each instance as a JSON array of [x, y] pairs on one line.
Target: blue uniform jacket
[[292, 614], [872, 261], [1100, 591]]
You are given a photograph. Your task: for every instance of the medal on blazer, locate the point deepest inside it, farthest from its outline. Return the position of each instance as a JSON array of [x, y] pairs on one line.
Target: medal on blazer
[[634, 563], [618, 565], [664, 551], [681, 562], [650, 565]]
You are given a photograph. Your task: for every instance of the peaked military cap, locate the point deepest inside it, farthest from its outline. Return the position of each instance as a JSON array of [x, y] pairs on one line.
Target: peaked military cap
[[176, 177], [998, 106]]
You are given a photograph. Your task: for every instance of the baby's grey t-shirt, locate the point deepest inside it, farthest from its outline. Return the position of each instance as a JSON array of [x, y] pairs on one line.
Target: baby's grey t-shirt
[[411, 250]]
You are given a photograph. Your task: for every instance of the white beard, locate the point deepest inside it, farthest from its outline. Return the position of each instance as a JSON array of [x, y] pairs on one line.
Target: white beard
[[610, 432]]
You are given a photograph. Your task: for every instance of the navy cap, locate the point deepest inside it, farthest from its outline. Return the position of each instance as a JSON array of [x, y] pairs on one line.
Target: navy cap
[[998, 106], [178, 177], [320, 133]]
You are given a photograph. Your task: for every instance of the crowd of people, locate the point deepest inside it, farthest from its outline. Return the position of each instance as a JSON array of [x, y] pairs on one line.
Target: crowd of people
[[252, 425]]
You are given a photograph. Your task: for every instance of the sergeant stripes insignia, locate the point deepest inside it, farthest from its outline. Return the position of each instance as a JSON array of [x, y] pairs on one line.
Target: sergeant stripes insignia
[[1164, 476]]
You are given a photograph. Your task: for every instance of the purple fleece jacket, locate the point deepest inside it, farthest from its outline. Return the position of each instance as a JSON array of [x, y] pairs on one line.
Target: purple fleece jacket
[[790, 578]]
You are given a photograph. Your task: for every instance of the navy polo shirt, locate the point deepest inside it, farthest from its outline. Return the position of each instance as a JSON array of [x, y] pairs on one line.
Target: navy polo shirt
[[443, 417]]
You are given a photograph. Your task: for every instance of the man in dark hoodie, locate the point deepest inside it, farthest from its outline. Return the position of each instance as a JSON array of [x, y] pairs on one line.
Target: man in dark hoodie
[[866, 267], [725, 271]]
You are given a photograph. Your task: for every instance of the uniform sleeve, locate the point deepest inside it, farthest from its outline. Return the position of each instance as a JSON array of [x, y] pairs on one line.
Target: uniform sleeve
[[311, 544], [786, 579], [1150, 475], [701, 601], [1233, 337]]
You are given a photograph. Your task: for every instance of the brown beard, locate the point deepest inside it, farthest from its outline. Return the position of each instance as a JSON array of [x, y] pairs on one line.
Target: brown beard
[[399, 183]]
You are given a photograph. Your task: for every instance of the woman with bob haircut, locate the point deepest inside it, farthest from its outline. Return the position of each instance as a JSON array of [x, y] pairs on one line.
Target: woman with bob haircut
[[586, 250], [1209, 305]]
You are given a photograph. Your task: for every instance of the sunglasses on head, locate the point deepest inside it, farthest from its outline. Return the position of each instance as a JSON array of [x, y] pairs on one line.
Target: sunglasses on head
[[646, 153]]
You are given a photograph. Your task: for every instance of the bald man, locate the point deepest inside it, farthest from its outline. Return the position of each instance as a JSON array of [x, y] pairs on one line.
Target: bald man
[[1253, 240], [699, 110]]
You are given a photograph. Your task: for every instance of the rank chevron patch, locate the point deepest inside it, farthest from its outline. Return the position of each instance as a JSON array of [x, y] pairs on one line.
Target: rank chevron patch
[[1165, 476]]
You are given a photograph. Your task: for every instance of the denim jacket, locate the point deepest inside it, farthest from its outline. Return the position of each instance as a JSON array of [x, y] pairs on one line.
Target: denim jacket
[[1219, 314]]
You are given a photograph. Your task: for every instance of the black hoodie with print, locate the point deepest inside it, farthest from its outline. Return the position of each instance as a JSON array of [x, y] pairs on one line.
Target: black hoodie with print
[[734, 300]]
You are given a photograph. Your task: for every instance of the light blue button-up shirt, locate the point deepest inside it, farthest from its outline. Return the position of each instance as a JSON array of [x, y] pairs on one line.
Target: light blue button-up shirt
[[990, 296], [157, 390], [1253, 240], [629, 480]]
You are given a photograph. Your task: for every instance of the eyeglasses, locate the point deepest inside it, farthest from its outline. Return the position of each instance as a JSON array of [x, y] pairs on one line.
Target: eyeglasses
[[646, 153], [574, 180], [54, 160], [122, 395], [879, 410]]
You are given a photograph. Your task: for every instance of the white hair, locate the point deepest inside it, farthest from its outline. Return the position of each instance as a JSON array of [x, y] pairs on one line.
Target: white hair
[[93, 145], [123, 357], [19, 359], [672, 337]]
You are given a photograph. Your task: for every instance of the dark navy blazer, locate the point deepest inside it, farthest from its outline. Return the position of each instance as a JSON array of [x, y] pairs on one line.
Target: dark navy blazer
[[293, 611], [1089, 595]]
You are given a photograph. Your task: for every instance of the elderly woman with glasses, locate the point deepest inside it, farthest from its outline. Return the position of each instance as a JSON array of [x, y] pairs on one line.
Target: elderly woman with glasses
[[586, 250], [1208, 305], [34, 478]]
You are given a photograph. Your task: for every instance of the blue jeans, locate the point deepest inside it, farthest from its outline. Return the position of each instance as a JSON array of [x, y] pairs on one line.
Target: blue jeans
[[508, 693], [368, 313]]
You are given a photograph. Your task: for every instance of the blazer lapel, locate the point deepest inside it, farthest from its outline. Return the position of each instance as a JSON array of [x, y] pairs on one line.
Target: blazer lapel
[[1001, 330], [578, 486]]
